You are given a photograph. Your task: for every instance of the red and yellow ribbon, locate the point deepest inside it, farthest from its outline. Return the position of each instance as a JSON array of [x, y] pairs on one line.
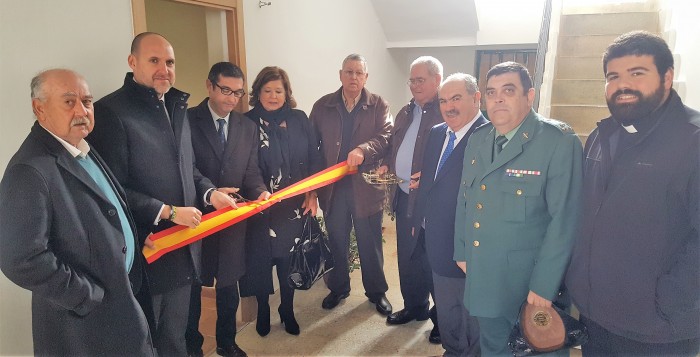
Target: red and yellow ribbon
[[175, 237]]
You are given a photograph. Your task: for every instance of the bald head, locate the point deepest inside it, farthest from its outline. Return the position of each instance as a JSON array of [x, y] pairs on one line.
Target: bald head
[[152, 60]]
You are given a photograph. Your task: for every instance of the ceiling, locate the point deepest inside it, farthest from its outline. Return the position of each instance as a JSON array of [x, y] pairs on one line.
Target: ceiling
[[414, 23]]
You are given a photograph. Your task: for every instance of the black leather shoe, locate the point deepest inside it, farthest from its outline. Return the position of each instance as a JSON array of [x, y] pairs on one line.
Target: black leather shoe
[[332, 300], [406, 316], [231, 351], [435, 336], [383, 305], [290, 323]]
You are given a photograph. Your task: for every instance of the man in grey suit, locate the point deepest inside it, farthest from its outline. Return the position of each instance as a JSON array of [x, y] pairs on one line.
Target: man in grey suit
[[145, 135], [66, 232], [459, 99]]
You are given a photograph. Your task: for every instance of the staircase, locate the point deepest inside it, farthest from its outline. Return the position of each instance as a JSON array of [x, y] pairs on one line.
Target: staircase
[[578, 86]]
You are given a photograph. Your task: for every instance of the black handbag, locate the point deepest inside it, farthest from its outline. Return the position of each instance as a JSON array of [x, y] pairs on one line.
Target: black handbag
[[311, 258], [543, 330]]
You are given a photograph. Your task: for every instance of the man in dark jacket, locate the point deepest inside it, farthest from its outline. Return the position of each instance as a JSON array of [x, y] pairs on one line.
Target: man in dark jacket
[[66, 232], [434, 220], [145, 135], [353, 125], [226, 151], [635, 271], [405, 156]]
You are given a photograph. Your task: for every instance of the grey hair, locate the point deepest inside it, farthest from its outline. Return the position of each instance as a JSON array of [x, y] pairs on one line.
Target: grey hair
[[469, 81], [356, 57], [37, 83], [434, 66]]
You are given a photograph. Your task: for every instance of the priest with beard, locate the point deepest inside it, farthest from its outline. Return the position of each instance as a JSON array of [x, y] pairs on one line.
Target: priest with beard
[[635, 270]]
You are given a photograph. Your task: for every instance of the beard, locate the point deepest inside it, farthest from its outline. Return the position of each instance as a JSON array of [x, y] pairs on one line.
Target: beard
[[628, 113]]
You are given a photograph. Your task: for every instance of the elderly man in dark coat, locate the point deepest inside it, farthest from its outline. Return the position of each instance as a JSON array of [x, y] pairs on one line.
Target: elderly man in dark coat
[[66, 233]]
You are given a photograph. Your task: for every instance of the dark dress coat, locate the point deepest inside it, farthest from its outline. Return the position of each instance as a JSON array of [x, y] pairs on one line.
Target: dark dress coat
[[232, 165], [154, 161], [283, 218], [641, 221], [371, 130], [437, 197], [62, 239]]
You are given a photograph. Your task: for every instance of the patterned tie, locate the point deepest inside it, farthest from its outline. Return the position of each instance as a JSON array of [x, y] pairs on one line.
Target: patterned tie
[[500, 141], [448, 149], [222, 130]]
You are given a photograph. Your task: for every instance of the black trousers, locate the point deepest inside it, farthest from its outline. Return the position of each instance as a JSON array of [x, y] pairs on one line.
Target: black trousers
[[368, 231], [415, 275], [227, 301], [604, 343], [170, 311]]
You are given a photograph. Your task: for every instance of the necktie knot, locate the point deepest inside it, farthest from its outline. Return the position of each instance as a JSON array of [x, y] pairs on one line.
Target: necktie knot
[[221, 130], [500, 141]]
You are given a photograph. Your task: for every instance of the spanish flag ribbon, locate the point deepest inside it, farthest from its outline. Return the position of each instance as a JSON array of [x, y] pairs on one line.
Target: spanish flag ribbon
[[175, 237]]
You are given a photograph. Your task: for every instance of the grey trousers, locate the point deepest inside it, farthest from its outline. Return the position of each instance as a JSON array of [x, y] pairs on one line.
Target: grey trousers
[[171, 310], [459, 331]]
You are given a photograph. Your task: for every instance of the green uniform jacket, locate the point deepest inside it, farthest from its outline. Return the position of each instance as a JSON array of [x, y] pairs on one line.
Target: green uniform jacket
[[517, 216]]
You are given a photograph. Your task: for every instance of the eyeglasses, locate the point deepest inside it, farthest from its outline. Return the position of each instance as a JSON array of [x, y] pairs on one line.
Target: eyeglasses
[[228, 91], [415, 82]]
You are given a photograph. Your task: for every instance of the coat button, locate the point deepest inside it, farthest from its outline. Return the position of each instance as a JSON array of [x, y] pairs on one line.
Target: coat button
[[476, 243], [519, 192], [111, 212], [124, 250], [479, 206], [337, 143], [473, 161], [477, 225], [483, 187]]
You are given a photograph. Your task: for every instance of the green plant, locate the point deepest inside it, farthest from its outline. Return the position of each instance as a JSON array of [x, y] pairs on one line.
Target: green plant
[[353, 254]]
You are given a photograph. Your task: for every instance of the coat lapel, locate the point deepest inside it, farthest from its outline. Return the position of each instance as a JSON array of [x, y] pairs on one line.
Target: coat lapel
[[206, 124], [514, 146], [234, 133], [66, 161]]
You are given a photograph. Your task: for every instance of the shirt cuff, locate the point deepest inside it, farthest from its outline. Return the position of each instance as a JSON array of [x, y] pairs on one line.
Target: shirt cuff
[[207, 194], [155, 223]]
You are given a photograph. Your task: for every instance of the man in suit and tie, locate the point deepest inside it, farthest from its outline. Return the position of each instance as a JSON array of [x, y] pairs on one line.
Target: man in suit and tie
[[143, 131], [460, 100], [66, 232], [517, 208], [226, 151], [406, 143]]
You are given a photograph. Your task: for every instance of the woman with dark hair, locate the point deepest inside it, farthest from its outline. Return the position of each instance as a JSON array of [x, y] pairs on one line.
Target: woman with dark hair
[[287, 153]]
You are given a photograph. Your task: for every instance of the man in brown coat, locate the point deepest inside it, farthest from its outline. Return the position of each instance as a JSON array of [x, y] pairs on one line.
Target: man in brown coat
[[353, 125]]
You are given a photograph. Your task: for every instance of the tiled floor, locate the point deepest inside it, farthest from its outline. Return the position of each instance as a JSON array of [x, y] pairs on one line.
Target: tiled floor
[[354, 328]]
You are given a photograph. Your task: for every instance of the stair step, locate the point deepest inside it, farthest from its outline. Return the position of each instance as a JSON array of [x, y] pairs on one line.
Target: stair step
[[603, 7], [578, 67], [582, 118], [609, 24], [578, 92], [592, 45]]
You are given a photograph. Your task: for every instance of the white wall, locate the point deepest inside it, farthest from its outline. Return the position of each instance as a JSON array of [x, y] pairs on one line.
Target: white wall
[[684, 25], [309, 39], [508, 21], [35, 35]]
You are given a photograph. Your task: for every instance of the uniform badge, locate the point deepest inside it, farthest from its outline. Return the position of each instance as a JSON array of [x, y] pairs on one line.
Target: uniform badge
[[521, 173]]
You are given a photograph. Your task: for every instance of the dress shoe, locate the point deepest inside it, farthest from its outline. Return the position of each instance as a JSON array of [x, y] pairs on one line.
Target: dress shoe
[[290, 323], [332, 300], [231, 351], [262, 324], [435, 336], [406, 316], [383, 305]]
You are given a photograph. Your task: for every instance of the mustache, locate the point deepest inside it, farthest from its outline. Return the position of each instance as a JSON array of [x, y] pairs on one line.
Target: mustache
[[626, 91], [80, 121], [452, 112]]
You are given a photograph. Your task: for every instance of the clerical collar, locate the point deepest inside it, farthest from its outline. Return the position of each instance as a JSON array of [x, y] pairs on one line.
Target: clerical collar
[[629, 128]]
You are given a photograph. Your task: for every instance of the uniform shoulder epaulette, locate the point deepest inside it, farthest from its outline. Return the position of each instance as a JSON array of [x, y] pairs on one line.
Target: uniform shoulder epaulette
[[563, 127]]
